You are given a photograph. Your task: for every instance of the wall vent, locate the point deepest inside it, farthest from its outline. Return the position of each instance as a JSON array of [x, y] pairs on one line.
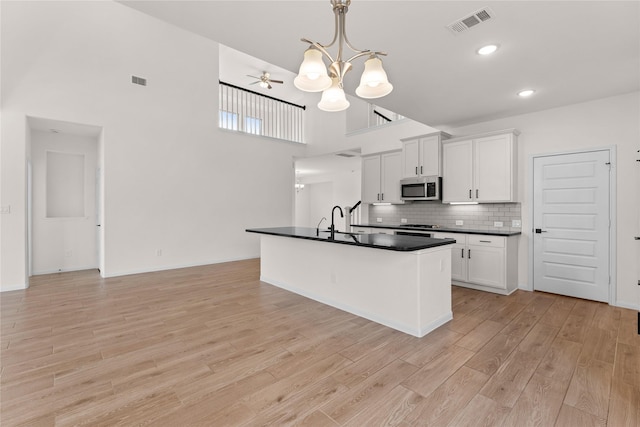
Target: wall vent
[[138, 80], [470, 21]]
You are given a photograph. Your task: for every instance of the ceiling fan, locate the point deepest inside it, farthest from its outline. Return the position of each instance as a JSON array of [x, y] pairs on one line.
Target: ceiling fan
[[264, 80]]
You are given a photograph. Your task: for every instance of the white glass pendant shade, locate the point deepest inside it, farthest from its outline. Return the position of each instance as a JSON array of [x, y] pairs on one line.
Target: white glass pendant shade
[[374, 82], [333, 98], [312, 76]]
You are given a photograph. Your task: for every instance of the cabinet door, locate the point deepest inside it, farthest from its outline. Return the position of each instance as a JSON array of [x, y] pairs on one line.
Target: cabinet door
[[493, 175], [370, 179], [486, 266], [391, 175], [457, 176], [410, 158], [429, 156], [458, 254]]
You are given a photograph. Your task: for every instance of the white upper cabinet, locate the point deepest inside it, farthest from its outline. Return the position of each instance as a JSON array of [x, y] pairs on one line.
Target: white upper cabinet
[[381, 178], [421, 156], [480, 169]]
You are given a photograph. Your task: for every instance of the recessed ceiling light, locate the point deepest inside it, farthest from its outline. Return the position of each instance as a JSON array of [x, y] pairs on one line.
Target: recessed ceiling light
[[525, 93], [488, 49]]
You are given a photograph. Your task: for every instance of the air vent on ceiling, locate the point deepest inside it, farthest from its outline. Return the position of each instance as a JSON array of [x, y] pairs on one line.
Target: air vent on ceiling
[[346, 154], [471, 20], [138, 80]]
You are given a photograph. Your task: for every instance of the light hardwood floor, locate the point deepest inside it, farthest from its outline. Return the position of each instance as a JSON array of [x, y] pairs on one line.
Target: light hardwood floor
[[212, 346]]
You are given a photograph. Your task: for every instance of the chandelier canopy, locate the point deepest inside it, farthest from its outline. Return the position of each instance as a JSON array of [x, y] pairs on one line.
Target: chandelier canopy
[[314, 76]]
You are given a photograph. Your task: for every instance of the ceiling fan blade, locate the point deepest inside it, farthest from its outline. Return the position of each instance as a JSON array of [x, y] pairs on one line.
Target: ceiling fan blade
[[269, 86], [276, 81], [254, 77], [254, 83]]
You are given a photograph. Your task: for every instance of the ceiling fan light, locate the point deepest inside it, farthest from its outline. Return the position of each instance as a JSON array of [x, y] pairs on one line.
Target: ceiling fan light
[[374, 82], [333, 99], [263, 85], [312, 76]]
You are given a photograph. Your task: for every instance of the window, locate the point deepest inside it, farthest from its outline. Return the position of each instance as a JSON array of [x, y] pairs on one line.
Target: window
[[246, 111], [228, 120], [253, 125]]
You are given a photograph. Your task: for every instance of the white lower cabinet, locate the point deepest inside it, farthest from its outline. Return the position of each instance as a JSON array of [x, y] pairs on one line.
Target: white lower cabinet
[[484, 262]]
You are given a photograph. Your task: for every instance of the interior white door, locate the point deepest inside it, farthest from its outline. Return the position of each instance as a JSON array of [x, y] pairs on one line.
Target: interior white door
[[571, 224]]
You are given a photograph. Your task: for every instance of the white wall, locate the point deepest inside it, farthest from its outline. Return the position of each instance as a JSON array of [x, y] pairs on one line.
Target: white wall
[[613, 121], [63, 244], [173, 181], [322, 192]]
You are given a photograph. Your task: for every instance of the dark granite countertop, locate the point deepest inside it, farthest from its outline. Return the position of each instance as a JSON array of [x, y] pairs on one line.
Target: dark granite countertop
[[377, 241], [442, 230]]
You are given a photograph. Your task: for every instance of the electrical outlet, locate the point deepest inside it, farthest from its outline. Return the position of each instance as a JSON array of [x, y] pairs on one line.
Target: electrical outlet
[[498, 224], [516, 223], [378, 219], [459, 222], [5, 209], [403, 220], [159, 252]]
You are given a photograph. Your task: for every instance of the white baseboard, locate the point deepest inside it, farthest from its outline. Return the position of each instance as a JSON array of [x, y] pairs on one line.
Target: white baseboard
[[108, 274], [625, 304], [14, 287]]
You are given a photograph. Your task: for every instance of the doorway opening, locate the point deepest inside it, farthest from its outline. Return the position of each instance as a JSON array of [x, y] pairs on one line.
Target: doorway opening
[[65, 192]]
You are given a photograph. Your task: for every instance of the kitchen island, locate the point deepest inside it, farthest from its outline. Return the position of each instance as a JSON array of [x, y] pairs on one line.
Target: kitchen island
[[402, 282]]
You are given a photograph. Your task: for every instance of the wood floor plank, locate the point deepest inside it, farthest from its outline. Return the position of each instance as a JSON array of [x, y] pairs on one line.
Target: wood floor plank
[[561, 360], [572, 417], [481, 412], [446, 401], [624, 405], [434, 373], [369, 393], [539, 403], [506, 385], [212, 345], [490, 357], [590, 387]]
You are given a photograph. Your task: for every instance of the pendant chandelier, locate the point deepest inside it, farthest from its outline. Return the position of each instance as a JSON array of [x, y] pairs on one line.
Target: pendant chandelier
[[315, 77]]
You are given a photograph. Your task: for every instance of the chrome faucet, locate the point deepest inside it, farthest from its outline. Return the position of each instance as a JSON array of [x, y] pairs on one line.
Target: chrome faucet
[[318, 227], [333, 227]]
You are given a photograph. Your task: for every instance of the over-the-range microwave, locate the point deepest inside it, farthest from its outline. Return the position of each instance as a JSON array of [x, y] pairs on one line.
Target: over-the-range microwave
[[421, 188]]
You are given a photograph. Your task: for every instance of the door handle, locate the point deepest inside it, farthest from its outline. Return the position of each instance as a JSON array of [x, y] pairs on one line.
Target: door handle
[[462, 253], [469, 253], [469, 193], [539, 230]]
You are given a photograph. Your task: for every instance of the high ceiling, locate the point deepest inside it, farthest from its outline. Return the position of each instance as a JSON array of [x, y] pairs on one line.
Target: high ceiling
[[568, 51]]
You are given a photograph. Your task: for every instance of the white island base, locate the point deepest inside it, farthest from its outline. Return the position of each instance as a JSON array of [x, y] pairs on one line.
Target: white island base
[[409, 291]]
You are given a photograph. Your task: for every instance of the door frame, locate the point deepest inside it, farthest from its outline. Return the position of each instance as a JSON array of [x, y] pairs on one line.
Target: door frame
[[613, 198]]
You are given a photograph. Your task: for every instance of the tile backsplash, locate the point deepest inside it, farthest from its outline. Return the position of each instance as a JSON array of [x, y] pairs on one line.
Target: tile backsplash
[[480, 217]]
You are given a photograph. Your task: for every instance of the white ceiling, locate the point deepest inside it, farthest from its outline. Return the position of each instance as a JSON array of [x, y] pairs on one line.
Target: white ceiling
[[569, 51]]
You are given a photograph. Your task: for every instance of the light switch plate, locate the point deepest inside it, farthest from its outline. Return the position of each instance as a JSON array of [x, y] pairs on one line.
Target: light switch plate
[[498, 224], [516, 223], [378, 219], [403, 220], [459, 222]]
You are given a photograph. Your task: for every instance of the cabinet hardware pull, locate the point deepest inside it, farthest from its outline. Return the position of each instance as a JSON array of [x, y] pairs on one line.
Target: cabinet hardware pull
[[462, 253], [378, 196], [382, 196], [469, 253], [416, 170], [476, 193], [421, 170], [469, 193], [485, 241]]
